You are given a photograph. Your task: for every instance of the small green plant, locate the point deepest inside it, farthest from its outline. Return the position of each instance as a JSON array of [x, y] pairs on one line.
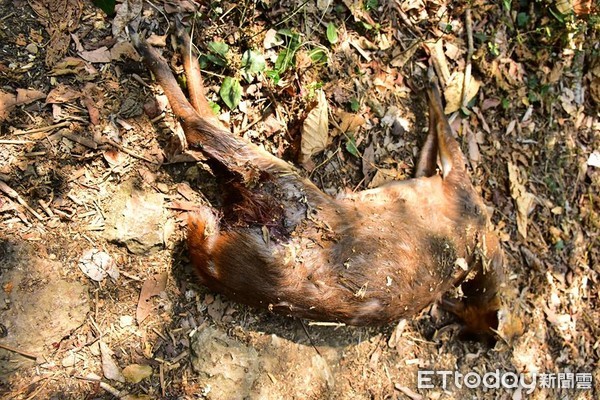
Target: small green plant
[[253, 63], [332, 34], [494, 49], [351, 144], [231, 92], [217, 54], [522, 19], [216, 109], [371, 4], [318, 55], [287, 56]]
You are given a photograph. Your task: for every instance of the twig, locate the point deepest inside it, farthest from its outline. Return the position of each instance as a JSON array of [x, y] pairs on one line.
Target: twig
[[310, 338], [335, 324], [15, 196], [44, 129], [95, 378], [82, 140], [7, 16], [470, 50], [8, 141], [46, 208], [38, 390], [130, 152], [21, 352], [287, 18], [161, 375]]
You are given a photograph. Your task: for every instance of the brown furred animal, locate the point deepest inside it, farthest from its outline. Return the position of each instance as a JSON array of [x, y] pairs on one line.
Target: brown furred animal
[[362, 258]]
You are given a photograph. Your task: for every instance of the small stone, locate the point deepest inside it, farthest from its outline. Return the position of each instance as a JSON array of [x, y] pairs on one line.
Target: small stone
[[32, 48], [70, 360], [125, 321]]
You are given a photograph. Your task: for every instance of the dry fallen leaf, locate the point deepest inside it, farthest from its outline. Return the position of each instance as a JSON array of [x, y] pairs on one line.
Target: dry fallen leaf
[[438, 59], [114, 157], [594, 159], [156, 41], [100, 55], [110, 369], [180, 7], [76, 66], [525, 201], [350, 122], [384, 175], [153, 286], [25, 96], [9, 101], [368, 162], [62, 94], [127, 11], [594, 78], [454, 90], [315, 130], [136, 373], [271, 39], [96, 265], [474, 155], [60, 18], [125, 50]]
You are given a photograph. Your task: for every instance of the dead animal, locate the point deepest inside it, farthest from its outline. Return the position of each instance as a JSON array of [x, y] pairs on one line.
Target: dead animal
[[364, 258]]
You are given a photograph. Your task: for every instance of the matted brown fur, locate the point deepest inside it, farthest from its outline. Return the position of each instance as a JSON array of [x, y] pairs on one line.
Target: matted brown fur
[[363, 258]]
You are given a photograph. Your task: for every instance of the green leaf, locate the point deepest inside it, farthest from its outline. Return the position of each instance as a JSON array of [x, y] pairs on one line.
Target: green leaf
[[557, 14], [371, 4], [216, 60], [203, 61], [351, 145], [108, 6], [219, 48], [274, 75], [288, 33], [253, 63], [332, 35], [231, 92], [216, 109], [285, 59], [482, 37], [318, 55], [522, 19], [354, 105]]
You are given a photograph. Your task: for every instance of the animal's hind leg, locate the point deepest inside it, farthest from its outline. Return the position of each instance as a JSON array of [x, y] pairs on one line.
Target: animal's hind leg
[[159, 67], [440, 141], [192, 71]]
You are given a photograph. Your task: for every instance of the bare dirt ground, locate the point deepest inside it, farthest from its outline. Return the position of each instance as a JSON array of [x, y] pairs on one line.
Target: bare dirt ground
[[97, 296]]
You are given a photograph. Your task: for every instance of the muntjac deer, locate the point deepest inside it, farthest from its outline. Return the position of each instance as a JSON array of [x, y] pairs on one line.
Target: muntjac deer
[[364, 258]]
